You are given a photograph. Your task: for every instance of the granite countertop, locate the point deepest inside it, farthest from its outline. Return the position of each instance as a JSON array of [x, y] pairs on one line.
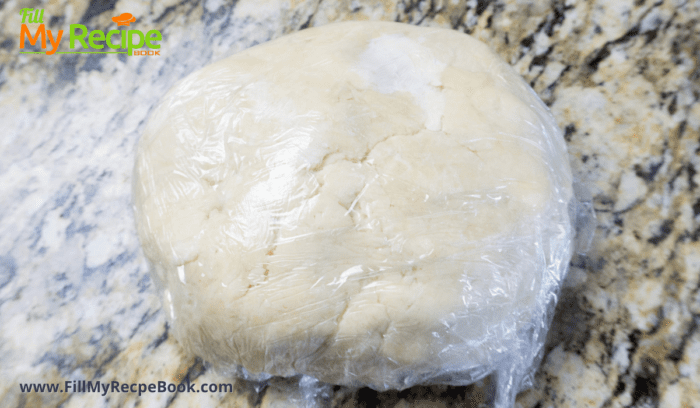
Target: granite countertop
[[622, 79]]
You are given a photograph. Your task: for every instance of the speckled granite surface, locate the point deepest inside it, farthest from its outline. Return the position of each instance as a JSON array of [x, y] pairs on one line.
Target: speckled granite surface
[[621, 77]]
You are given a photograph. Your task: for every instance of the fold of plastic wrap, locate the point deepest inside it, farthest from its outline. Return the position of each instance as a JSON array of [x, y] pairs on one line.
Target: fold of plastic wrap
[[366, 204]]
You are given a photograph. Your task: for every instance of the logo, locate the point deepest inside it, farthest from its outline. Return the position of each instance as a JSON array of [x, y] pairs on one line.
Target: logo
[[129, 40], [124, 19]]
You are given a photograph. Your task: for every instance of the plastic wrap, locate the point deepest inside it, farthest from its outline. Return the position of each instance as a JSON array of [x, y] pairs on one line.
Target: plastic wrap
[[366, 204]]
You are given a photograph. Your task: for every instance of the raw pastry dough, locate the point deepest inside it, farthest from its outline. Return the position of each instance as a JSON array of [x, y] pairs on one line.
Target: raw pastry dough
[[367, 203]]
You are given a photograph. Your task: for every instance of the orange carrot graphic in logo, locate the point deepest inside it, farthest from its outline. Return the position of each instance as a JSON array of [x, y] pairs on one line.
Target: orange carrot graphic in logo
[[124, 19]]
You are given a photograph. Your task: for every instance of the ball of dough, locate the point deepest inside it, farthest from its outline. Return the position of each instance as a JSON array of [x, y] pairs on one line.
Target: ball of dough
[[367, 203]]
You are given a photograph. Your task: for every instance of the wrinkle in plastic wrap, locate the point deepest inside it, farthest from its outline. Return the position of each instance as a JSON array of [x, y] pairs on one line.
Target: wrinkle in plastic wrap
[[363, 204]]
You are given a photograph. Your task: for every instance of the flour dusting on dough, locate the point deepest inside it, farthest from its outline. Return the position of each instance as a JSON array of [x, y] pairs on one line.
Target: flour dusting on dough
[[396, 63]]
